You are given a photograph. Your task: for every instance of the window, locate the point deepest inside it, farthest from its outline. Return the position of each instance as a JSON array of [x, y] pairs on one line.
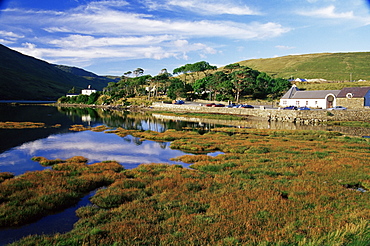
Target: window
[[297, 103], [306, 103]]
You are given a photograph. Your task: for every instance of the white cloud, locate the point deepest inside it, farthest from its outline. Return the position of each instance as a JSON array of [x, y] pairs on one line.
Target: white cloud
[[9, 37], [204, 7], [283, 47], [83, 41], [213, 7], [113, 22], [328, 12]]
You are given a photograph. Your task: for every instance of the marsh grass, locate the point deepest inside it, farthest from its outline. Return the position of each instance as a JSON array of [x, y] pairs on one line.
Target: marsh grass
[[261, 192], [34, 194], [80, 128], [349, 123], [5, 175], [21, 125]]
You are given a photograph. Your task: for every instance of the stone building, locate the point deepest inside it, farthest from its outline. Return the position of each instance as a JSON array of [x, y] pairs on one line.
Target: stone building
[[354, 97]]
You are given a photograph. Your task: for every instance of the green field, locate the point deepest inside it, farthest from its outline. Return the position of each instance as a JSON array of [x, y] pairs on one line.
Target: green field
[[330, 66]]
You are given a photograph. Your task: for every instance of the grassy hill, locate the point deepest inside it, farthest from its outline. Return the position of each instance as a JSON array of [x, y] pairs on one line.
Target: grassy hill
[[27, 78], [329, 66]]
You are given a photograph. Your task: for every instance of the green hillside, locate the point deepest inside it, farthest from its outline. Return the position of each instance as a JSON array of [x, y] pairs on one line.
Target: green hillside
[[26, 78], [329, 66]]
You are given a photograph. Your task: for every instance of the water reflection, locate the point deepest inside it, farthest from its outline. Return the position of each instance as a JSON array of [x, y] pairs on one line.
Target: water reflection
[[96, 146]]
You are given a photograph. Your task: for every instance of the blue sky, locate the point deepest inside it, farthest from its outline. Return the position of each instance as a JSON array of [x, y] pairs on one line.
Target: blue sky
[[111, 37]]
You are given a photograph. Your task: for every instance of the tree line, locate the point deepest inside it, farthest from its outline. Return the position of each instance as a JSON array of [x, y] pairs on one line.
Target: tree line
[[199, 80]]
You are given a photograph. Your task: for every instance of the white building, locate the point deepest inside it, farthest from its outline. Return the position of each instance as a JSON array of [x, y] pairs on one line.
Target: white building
[[313, 99], [88, 91]]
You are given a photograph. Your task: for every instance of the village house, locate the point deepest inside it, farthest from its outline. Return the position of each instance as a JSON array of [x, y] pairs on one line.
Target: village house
[[313, 99], [88, 91], [354, 97], [72, 95]]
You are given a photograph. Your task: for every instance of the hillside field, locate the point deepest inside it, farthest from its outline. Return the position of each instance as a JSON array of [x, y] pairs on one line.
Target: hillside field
[[330, 66]]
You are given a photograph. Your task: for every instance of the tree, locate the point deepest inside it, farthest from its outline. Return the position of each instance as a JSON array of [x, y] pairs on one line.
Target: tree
[[201, 66], [178, 89], [242, 80], [215, 83], [127, 74], [279, 86], [262, 86], [93, 97], [82, 99], [200, 87], [72, 91], [232, 67], [160, 82], [138, 72]]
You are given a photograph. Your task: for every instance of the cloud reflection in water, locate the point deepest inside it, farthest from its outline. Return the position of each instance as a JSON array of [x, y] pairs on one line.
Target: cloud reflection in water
[[96, 146]]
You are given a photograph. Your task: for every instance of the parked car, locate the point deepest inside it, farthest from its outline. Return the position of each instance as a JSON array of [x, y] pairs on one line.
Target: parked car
[[232, 105], [210, 104], [303, 108], [178, 102], [219, 105], [290, 108], [337, 108], [246, 106]]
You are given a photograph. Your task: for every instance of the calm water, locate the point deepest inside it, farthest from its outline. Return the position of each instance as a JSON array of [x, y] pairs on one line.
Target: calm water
[[18, 146]]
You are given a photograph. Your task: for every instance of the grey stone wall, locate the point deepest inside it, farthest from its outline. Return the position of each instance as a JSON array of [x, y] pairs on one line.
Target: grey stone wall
[[303, 117], [351, 103]]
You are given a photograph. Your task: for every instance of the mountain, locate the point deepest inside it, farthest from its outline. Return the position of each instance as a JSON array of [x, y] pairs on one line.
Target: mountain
[[95, 79], [24, 77], [329, 66]]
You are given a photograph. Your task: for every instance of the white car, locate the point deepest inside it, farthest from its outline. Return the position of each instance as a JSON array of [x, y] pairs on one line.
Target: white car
[[337, 108]]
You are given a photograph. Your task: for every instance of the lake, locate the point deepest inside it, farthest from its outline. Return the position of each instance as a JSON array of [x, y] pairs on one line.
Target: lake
[[18, 146]]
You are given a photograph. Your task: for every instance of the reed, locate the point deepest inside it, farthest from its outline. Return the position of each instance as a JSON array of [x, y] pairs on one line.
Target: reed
[[21, 125]]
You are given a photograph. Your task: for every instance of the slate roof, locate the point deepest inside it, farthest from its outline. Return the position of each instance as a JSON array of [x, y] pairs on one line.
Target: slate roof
[[314, 94], [295, 93], [290, 93], [357, 92]]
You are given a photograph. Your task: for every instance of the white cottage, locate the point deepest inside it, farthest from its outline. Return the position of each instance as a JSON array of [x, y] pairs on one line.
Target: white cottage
[[88, 91], [312, 99]]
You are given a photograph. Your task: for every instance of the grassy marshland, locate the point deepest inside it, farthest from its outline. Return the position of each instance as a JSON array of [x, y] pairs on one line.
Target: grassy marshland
[[32, 195], [348, 123], [269, 187], [24, 125], [20, 125]]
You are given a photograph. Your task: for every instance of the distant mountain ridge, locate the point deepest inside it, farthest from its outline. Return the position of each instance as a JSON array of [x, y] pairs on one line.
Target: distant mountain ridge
[[24, 77], [77, 71]]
